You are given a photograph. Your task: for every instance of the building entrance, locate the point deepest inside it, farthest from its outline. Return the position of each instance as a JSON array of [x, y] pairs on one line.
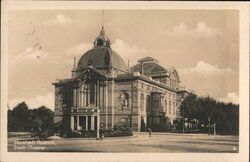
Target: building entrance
[[86, 122]]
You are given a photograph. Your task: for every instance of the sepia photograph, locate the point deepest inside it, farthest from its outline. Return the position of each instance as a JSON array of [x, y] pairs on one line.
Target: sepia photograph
[[151, 80]]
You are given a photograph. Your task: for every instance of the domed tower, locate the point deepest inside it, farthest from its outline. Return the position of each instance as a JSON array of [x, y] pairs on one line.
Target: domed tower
[[102, 40], [102, 57]]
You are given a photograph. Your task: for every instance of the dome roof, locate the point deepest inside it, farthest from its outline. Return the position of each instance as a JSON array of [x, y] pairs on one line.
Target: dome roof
[[101, 57], [150, 66]]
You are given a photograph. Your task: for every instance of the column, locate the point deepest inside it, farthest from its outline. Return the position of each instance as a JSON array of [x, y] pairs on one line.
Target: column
[[98, 112], [106, 103], [78, 97], [83, 97], [82, 91], [92, 122], [88, 95], [86, 122], [74, 97], [78, 123], [72, 122], [112, 100]]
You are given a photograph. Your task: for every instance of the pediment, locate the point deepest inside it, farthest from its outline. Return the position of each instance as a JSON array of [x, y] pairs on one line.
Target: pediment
[[92, 74]]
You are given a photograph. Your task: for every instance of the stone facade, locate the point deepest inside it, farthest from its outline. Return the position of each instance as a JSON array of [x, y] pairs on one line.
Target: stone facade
[[106, 93]]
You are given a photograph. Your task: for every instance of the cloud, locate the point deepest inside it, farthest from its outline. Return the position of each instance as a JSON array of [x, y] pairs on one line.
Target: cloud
[[34, 102], [61, 19], [231, 97], [205, 78], [182, 27], [79, 49], [31, 53], [58, 20], [34, 55], [128, 51], [203, 67], [200, 30]]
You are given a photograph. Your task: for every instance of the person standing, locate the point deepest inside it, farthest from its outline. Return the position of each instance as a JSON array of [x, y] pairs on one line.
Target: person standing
[[101, 133]]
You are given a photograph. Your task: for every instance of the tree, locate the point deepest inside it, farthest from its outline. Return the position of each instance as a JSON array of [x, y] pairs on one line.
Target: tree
[[21, 118], [18, 118], [43, 117], [207, 111]]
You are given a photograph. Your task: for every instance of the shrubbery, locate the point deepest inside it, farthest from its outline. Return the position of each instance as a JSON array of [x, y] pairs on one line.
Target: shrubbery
[[117, 132]]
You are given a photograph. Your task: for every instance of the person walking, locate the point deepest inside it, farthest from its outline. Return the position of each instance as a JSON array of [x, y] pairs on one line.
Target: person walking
[[149, 132]]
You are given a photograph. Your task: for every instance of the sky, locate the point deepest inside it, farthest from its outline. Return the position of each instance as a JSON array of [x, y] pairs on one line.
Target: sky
[[203, 45]]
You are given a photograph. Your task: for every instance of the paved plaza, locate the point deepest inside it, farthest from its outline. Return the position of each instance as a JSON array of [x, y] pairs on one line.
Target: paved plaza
[[139, 142]]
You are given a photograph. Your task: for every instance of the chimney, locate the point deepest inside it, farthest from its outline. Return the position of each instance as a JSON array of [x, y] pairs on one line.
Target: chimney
[[73, 72], [142, 70]]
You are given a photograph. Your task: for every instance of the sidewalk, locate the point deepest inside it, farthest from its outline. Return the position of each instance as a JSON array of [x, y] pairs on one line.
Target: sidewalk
[[176, 134]]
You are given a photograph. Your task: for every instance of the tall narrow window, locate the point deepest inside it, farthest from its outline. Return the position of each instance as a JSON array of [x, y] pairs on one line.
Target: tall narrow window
[[166, 106], [87, 95], [142, 101], [92, 94], [148, 103]]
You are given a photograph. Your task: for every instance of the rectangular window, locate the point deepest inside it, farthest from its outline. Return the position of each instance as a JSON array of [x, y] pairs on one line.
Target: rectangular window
[[89, 122], [75, 122], [83, 122], [95, 120]]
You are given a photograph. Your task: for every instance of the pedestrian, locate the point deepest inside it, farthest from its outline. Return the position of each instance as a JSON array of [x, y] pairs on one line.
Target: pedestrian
[[101, 134], [149, 132]]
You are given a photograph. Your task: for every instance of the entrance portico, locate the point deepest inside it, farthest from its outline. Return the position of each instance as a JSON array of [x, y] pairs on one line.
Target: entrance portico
[[83, 119]]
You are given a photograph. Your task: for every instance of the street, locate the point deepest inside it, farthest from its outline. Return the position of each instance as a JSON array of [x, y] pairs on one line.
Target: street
[[139, 142]]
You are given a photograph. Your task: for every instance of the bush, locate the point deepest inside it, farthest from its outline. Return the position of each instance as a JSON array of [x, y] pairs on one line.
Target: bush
[[117, 132]]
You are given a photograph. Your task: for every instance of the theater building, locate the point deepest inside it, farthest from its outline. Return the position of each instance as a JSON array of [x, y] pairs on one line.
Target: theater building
[[104, 91]]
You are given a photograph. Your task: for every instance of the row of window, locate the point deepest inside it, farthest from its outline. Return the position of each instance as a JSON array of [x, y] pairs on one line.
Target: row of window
[[154, 88], [169, 107], [85, 96]]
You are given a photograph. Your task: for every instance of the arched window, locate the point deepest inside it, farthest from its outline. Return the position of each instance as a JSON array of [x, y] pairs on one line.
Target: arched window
[[86, 90], [99, 42], [142, 101]]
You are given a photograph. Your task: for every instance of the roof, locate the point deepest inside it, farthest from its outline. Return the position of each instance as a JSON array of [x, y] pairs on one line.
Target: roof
[[91, 69], [101, 57], [148, 59], [148, 68], [131, 77]]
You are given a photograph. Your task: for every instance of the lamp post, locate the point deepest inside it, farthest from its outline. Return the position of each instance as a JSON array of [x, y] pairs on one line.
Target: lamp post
[[98, 125], [98, 110], [183, 123], [209, 126]]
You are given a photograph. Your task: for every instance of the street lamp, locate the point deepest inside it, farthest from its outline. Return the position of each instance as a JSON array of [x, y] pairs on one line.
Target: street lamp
[[98, 125], [183, 123]]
